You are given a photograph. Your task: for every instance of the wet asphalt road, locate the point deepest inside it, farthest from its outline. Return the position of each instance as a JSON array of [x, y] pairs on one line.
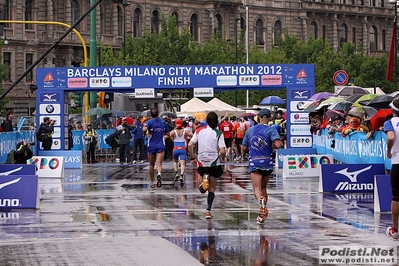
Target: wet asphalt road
[[105, 214]]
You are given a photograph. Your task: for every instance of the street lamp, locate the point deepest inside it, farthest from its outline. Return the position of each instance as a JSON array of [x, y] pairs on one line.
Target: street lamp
[[247, 4], [395, 50]]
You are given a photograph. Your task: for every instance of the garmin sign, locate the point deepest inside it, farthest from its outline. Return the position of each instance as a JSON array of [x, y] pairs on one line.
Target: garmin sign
[[144, 93], [349, 177], [203, 92]]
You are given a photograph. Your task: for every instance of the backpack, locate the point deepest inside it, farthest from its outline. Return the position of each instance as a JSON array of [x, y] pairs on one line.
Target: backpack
[[39, 135], [10, 157]]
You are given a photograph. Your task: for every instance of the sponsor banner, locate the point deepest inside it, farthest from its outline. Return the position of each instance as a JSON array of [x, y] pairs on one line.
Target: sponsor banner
[[144, 93], [17, 169], [305, 165], [203, 92], [382, 193], [50, 97], [72, 158], [299, 118], [99, 82], [272, 80], [297, 130], [77, 83], [354, 148], [50, 109], [249, 80], [226, 80], [349, 177], [298, 94], [298, 106], [280, 153], [19, 192], [358, 255], [301, 141], [48, 166], [121, 82]]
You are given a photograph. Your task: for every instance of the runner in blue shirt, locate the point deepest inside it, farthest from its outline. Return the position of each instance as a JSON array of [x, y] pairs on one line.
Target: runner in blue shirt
[[260, 140], [157, 129]]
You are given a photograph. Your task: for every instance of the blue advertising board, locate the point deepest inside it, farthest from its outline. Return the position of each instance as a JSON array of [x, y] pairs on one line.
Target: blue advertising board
[[72, 158], [19, 192], [349, 177], [280, 153], [17, 169], [382, 193]]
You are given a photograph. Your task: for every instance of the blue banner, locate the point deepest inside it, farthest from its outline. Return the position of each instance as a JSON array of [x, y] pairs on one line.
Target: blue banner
[[9, 140], [19, 192], [382, 193], [72, 159], [175, 77], [17, 169], [349, 177], [355, 148]]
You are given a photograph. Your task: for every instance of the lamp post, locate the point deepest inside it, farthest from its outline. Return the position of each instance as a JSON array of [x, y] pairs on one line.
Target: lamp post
[[247, 4], [235, 28], [395, 50]]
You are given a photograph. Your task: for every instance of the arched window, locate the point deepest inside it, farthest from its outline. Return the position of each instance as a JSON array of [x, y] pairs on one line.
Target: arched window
[[28, 14], [277, 31], [120, 20], [324, 32], [194, 26], [342, 34], [155, 22], [354, 36], [137, 23], [384, 40], [259, 32], [373, 38], [175, 15], [75, 12], [313, 30], [218, 26]]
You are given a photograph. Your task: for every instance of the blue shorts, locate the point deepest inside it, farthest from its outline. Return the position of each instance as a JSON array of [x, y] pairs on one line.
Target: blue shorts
[[156, 149], [179, 153]]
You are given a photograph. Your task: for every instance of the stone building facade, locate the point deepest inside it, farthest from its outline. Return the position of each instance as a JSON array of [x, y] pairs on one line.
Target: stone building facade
[[358, 21]]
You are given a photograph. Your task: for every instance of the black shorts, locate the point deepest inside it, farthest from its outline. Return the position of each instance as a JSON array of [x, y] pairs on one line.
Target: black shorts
[[395, 182], [215, 171], [238, 141], [228, 142], [263, 172]]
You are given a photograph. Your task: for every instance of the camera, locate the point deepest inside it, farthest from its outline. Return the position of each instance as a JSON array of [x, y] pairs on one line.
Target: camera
[[32, 144]]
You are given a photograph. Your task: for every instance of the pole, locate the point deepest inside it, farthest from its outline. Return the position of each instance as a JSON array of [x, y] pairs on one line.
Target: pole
[[235, 28], [53, 45], [395, 63], [246, 42], [93, 62]]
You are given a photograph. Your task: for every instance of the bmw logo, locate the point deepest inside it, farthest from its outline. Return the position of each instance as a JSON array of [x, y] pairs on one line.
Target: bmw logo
[[49, 108]]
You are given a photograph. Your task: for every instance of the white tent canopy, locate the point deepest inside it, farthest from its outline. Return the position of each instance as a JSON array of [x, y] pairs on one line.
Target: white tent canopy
[[225, 107], [196, 105]]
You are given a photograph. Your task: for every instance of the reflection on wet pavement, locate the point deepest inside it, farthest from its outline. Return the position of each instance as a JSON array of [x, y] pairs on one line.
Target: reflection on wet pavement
[[107, 200]]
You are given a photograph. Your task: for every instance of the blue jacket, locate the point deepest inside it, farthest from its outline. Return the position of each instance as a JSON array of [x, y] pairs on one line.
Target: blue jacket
[[137, 132]]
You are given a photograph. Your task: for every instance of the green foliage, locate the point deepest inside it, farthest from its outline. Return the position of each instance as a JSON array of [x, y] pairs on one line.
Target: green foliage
[[169, 47]]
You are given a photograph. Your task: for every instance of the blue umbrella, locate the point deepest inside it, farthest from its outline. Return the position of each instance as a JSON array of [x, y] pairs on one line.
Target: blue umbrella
[[270, 100]]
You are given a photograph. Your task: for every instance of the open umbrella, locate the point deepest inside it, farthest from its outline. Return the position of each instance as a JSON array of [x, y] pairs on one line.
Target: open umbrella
[[146, 113], [200, 116], [379, 118], [272, 100], [343, 106], [353, 98], [370, 111], [321, 95], [365, 99], [349, 90], [98, 111], [328, 102], [381, 102], [169, 114], [332, 113], [310, 106]]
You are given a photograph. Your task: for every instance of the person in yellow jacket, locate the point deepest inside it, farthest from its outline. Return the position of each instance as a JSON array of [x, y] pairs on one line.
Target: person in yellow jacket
[[91, 143]]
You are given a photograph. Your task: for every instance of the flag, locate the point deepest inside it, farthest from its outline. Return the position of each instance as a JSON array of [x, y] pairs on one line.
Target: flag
[[391, 56]]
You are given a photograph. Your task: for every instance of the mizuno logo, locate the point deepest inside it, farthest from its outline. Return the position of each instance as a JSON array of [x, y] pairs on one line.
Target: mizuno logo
[[300, 93], [49, 96], [352, 175], [11, 171], [9, 183]]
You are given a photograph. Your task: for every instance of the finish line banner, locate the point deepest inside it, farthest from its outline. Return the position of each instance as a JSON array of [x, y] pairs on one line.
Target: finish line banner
[[349, 177]]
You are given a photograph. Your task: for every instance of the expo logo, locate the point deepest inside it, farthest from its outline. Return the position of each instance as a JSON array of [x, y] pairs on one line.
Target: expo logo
[[43, 163], [306, 162]]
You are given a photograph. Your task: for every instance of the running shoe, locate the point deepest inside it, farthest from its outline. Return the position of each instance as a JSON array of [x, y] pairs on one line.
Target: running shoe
[[176, 177], [201, 189], [159, 181], [181, 180], [152, 185], [205, 182], [208, 215], [134, 161], [263, 209], [141, 161], [261, 218], [391, 232]]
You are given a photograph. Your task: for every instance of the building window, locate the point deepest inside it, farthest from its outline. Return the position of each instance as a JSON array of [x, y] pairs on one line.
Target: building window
[[324, 32], [175, 15], [277, 31], [7, 12], [218, 26], [342, 34], [28, 63], [354, 36], [120, 21], [75, 12], [382, 3], [102, 20], [373, 38], [7, 63], [384, 44], [28, 14], [313, 30], [194, 26], [137, 23], [155, 22], [259, 32]]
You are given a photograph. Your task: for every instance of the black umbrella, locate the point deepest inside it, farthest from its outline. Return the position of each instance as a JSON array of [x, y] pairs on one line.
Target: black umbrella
[[354, 97], [381, 102], [168, 114]]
